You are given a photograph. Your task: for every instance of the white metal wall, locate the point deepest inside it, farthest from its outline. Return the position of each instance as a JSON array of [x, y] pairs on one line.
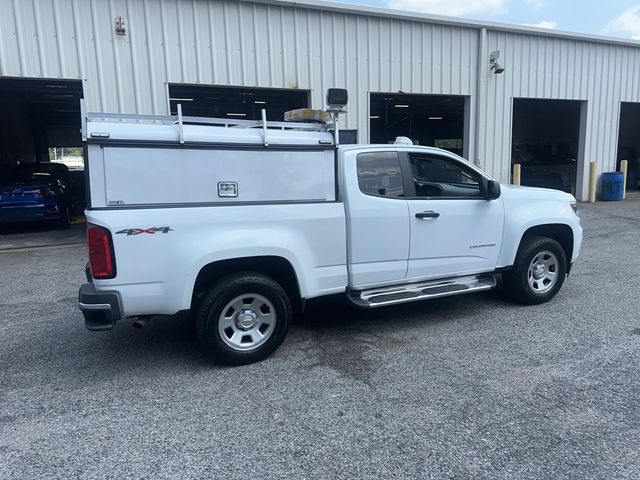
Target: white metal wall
[[293, 46], [555, 68], [228, 43]]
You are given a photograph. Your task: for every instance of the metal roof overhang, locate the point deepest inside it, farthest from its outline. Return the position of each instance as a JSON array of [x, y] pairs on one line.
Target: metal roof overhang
[[444, 20]]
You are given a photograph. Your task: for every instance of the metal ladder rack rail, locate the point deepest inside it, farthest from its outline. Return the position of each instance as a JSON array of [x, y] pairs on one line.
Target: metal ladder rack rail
[[181, 120]]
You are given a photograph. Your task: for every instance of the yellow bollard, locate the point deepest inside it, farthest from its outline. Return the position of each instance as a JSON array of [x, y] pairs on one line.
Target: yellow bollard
[[593, 173], [517, 171], [624, 164]]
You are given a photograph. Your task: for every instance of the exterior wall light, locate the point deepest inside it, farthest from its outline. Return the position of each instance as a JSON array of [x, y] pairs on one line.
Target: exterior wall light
[[493, 62], [121, 28]]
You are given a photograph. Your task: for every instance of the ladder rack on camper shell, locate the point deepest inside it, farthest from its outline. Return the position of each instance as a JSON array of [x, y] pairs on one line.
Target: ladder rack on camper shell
[[101, 127], [149, 161]]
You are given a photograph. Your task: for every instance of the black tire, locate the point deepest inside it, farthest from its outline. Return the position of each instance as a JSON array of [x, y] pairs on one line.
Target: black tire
[[64, 221], [217, 298], [516, 281]]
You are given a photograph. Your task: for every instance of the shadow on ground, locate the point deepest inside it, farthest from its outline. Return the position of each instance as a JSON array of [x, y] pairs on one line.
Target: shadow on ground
[[40, 234]]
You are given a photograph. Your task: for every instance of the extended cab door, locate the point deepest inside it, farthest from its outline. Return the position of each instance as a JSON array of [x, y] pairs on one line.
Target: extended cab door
[[377, 217], [455, 230]]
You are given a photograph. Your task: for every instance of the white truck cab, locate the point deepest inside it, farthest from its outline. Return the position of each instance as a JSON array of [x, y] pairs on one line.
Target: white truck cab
[[240, 222]]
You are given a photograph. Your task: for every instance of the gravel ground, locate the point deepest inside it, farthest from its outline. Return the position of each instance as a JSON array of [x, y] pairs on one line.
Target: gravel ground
[[465, 387]]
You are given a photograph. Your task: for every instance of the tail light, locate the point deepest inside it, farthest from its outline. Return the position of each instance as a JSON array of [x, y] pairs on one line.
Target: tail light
[[47, 192], [101, 257]]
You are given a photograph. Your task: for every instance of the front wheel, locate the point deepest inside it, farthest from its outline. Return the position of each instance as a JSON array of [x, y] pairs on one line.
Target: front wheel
[[538, 272], [243, 318]]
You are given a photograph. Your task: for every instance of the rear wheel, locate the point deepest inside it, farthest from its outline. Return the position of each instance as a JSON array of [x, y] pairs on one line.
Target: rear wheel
[[243, 318], [65, 219], [538, 272]]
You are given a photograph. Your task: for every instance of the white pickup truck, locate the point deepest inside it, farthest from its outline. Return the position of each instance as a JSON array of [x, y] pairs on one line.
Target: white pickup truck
[[241, 222]]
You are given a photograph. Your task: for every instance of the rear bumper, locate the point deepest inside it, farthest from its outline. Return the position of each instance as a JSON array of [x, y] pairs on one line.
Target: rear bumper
[[101, 310], [30, 213]]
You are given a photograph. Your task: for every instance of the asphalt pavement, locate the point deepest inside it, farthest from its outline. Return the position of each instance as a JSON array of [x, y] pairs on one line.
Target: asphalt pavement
[[469, 387], [19, 236]]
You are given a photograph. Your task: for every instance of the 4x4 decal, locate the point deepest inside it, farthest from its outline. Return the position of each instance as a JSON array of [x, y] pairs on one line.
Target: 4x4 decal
[[151, 230]]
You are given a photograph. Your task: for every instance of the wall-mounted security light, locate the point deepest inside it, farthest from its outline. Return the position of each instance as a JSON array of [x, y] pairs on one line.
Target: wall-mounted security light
[[493, 62], [121, 28]]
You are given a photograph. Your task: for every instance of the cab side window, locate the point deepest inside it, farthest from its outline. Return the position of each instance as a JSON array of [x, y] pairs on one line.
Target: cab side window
[[435, 176], [379, 174]]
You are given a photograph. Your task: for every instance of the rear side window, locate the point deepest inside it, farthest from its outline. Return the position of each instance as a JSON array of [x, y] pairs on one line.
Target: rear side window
[[379, 174]]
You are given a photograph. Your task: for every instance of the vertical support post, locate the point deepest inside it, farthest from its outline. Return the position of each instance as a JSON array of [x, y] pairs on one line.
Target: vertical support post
[[180, 130], [336, 129], [517, 171], [467, 135], [482, 66], [264, 127], [582, 177], [593, 174], [83, 119], [624, 165]]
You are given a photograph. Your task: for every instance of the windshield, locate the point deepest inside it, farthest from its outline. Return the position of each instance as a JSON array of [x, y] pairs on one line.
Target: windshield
[[22, 177]]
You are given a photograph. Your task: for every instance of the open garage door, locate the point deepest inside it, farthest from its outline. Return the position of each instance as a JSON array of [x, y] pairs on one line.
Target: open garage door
[[38, 114], [235, 102], [629, 143], [430, 120], [545, 142], [39, 133]]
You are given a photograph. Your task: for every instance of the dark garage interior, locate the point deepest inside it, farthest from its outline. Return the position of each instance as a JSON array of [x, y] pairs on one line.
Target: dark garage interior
[[241, 103], [429, 120], [629, 143], [37, 115], [545, 142], [40, 122]]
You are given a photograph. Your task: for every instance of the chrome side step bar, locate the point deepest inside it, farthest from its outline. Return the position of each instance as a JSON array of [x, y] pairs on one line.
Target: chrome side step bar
[[411, 292]]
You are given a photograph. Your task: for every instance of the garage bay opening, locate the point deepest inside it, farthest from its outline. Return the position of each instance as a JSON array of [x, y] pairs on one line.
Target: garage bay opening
[[545, 142], [41, 158], [429, 120], [629, 143], [240, 103]]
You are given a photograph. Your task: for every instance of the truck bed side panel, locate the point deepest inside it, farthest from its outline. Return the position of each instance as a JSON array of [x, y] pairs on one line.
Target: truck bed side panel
[[160, 251]]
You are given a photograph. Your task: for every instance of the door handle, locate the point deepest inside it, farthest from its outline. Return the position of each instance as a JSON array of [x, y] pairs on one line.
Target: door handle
[[427, 214]]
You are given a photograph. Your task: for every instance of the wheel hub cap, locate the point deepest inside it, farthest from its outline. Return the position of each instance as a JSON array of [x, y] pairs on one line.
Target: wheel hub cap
[[539, 271], [543, 271], [247, 322], [246, 319]]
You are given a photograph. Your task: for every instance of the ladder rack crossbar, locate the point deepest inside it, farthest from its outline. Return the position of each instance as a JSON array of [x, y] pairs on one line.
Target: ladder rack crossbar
[[219, 122]]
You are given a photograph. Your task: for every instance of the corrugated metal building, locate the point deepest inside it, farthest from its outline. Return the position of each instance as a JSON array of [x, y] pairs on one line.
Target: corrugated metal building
[[311, 46]]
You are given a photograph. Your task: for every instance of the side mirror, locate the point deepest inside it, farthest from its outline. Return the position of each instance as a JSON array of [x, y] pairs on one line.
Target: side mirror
[[493, 190]]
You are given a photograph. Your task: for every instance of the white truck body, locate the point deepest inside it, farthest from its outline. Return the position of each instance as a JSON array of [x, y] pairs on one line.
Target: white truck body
[[160, 186]]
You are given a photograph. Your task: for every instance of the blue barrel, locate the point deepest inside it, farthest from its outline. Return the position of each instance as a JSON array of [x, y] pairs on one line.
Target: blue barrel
[[612, 186]]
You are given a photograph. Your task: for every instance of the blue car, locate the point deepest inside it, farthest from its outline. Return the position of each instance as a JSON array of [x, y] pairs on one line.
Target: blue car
[[28, 193]]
